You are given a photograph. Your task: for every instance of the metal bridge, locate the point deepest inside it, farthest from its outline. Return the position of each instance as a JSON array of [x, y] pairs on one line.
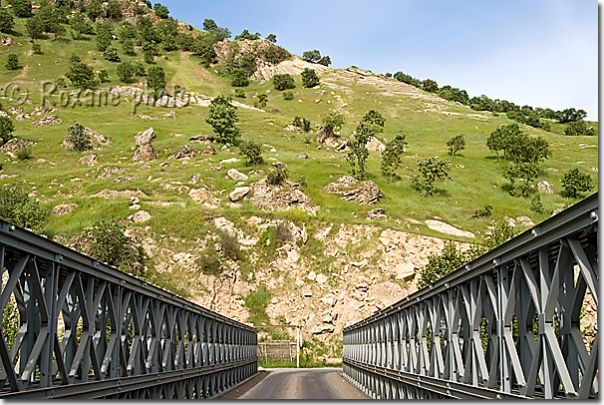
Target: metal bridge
[[506, 325], [87, 330]]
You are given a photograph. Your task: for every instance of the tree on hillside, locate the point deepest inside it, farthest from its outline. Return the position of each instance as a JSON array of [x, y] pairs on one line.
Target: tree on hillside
[[111, 54], [34, 28], [156, 79], [571, 115], [209, 25], [222, 116], [312, 56], [79, 26], [21, 8], [283, 82], [272, 38], [104, 33], [309, 78], [325, 61], [113, 10], [128, 47], [239, 78], [12, 63], [391, 157], [439, 265], [575, 183], [430, 85], [375, 119], [332, 122], [80, 74], [125, 71], [430, 169], [499, 139], [6, 129], [161, 11], [94, 10], [358, 149], [253, 153], [456, 144], [51, 19], [79, 138], [7, 21], [578, 128], [245, 34]]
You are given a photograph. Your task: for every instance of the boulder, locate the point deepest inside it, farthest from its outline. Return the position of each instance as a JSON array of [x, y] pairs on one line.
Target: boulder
[[145, 137], [41, 110], [378, 213], [199, 195], [144, 153], [239, 193], [216, 169], [366, 192], [234, 174], [63, 209], [201, 138], [140, 217], [209, 150], [188, 151], [303, 156], [14, 144], [47, 121], [279, 165], [545, 187], [280, 197], [89, 160], [321, 278], [374, 145]]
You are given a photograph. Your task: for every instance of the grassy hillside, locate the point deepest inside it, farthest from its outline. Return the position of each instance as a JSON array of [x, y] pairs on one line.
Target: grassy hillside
[[428, 124]]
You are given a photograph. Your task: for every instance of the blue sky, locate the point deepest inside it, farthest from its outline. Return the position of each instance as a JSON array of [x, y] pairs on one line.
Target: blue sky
[[542, 53]]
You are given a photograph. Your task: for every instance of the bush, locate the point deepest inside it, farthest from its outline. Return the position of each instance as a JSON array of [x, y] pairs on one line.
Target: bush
[[261, 101], [288, 96], [239, 92], [7, 21], [12, 62], [161, 11], [125, 71], [113, 10], [484, 212], [36, 49], [256, 302], [575, 183], [21, 8], [536, 204], [156, 79], [283, 82], [252, 151], [230, 246], [149, 58], [439, 265], [24, 154], [276, 176], [222, 116], [431, 169], [302, 181], [103, 76], [6, 129], [107, 243], [111, 54], [209, 262], [18, 208], [578, 128], [309, 78], [80, 74], [79, 138], [456, 144], [239, 78], [282, 234]]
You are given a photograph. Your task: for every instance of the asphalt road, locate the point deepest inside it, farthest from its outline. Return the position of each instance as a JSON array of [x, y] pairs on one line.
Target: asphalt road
[[309, 383]]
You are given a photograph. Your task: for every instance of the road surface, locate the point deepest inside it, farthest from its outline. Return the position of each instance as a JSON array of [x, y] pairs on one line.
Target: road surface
[[308, 383]]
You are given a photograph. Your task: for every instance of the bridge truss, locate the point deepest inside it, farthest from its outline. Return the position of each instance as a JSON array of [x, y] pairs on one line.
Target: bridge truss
[[506, 325], [86, 330]]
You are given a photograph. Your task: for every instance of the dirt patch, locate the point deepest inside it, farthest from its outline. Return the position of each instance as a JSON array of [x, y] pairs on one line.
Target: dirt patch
[[447, 229]]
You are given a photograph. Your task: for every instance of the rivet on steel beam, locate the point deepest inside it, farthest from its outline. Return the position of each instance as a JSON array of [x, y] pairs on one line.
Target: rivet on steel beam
[[11, 228], [447, 285], [144, 284], [123, 282], [534, 232], [468, 267], [594, 215]]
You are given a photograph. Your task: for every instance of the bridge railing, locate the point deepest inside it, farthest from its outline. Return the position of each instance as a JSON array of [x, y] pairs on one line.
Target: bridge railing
[[507, 325], [83, 329]]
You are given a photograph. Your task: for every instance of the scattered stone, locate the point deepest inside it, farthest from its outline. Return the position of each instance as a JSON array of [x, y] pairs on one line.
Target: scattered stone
[[239, 193], [303, 156], [15, 144], [321, 278], [448, 229], [329, 300], [360, 264], [279, 165], [145, 117], [64, 209], [209, 150], [234, 174], [231, 160], [121, 193], [89, 160], [140, 217], [202, 138], [375, 145], [291, 128], [256, 173], [76, 180], [110, 171], [199, 195], [188, 151], [378, 213], [8, 41], [22, 117], [545, 187], [171, 114], [216, 169], [366, 192], [126, 91], [524, 220], [47, 121], [41, 110], [225, 149], [280, 197], [312, 276], [195, 179], [15, 110]]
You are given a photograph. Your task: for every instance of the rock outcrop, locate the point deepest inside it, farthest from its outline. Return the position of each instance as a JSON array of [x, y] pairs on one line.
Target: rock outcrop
[[280, 197], [16, 144], [366, 192], [144, 151]]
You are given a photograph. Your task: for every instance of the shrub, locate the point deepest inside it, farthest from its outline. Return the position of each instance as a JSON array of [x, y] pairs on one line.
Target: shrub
[[440, 265], [80, 74], [536, 204], [125, 71], [501, 233], [230, 246], [149, 58], [111, 54], [21, 8], [24, 154], [107, 243], [161, 11], [575, 183], [261, 101], [222, 116], [113, 10], [103, 76], [431, 169], [283, 234], [276, 176], [456, 144], [7, 21], [6, 129], [18, 208], [156, 79], [302, 181], [61, 82], [12, 62], [239, 78], [283, 82], [256, 302], [79, 138], [252, 151], [309, 78], [578, 128], [484, 212], [209, 262], [36, 49], [128, 47], [239, 92], [288, 96]]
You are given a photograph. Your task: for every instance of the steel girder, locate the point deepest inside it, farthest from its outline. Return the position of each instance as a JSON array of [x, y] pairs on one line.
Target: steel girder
[[87, 330], [506, 325]]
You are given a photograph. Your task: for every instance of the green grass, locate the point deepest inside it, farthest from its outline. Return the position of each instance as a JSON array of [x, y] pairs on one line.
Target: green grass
[[476, 174]]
